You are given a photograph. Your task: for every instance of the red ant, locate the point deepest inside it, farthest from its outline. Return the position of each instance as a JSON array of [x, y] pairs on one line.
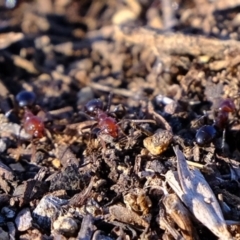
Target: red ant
[[25, 108], [207, 133], [32, 124], [226, 106], [107, 124]]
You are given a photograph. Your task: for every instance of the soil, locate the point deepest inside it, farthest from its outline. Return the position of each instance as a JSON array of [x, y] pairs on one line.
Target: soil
[[163, 70]]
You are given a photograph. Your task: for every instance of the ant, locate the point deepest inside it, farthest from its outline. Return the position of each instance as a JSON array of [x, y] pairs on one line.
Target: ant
[[207, 133], [108, 125], [32, 124], [25, 108]]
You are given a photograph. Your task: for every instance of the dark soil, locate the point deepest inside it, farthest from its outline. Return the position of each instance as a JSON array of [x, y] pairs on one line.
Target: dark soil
[[162, 69]]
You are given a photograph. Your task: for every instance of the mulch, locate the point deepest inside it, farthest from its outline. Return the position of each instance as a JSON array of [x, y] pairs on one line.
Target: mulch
[[162, 70]]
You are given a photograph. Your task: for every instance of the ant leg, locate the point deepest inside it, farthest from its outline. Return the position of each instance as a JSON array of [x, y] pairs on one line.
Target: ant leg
[[104, 146], [142, 121], [120, 128], [139, 121], [12, 116], [223, 139], [90, 135], [34, 152], [19, 146], [203, 118], [93, 127], [48, 134], [8, 113]]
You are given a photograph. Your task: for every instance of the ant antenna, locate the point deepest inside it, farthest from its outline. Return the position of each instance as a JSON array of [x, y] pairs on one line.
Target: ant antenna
[[110, 96]]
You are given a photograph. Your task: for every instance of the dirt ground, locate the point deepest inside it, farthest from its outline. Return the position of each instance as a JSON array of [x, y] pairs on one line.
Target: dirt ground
[[167, 73]]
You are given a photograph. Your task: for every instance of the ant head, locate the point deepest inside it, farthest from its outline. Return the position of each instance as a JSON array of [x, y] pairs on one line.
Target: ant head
[[93, 106], [227, 105], [25, 99], [119, 111]]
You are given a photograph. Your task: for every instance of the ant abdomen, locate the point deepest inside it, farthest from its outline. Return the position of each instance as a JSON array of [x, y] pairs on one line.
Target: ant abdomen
[[33, 125], [109, 126], [221, 118], [205, 135]]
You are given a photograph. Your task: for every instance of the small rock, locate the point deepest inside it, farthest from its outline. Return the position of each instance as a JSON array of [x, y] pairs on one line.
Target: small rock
[[158, 142], [84, 95], [2, 219], [124, 15], [3, 235], [48, 209], [8, 212], [69, 179], [58, 236], [3, 145], [98, 235], [23, 220], [84, 64], [11, 230], [34, 234], [17, 167], [66, 226]]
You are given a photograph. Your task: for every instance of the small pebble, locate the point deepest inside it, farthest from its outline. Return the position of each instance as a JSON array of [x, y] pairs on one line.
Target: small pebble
[[84, 95], [11, 230], [49, 208], [3, 146], [17, 167], [14, 129], [2, 219], [23, 220], [98, 235], [66, 226], [84, 64], [8, 212], [10, 3], [158, 142], [3, 235], [163, 99]]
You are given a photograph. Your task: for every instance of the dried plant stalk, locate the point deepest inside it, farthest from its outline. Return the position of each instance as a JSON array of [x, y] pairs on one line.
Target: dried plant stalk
[[180, 215], [177, 43], [123, 214], [197, 195]]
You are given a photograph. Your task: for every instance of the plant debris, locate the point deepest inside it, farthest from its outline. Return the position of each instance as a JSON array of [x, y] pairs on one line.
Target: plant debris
[[119, 119]]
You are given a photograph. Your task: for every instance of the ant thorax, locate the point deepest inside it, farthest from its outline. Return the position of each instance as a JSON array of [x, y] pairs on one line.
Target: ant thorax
[[108, 125]]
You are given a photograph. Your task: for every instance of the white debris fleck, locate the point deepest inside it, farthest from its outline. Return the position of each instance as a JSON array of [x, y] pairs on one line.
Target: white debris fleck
[[23, 220]]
